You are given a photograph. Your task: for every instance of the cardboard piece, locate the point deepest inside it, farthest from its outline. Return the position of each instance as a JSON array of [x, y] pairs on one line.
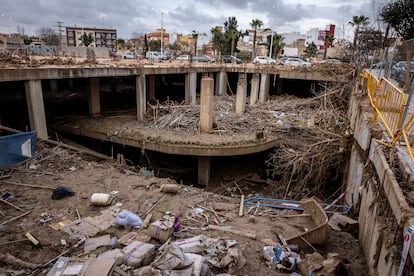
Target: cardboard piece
[[172, 258], [57, 226], [198, 261], [162, 229], [93, 243], [115, 254], [100, 267], [82, 267], [338, 222], [89, 226], [138, 254], [192, 245]]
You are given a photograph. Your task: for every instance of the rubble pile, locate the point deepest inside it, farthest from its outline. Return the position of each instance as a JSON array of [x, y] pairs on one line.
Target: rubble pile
[[111, 219]]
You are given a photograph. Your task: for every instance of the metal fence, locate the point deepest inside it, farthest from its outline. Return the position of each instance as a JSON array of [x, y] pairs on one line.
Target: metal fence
[[390, 107]]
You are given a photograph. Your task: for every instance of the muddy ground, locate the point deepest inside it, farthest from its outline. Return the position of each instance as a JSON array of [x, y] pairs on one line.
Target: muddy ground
[[57, 166]]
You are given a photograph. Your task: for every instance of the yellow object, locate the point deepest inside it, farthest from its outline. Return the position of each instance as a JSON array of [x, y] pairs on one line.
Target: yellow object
[[32, 239]]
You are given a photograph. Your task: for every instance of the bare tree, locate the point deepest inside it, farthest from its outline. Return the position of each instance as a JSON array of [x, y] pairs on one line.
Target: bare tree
[[48, 36]]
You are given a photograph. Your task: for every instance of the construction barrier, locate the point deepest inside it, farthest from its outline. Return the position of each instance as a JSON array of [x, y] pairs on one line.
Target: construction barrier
[[390, 104]]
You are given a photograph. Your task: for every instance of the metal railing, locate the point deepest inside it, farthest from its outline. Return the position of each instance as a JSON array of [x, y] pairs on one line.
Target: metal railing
[[389, 103]]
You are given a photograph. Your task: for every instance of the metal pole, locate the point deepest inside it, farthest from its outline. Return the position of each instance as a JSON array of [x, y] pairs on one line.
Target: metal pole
[[271, 46], [271, 39], [408, 104], [162, 46]]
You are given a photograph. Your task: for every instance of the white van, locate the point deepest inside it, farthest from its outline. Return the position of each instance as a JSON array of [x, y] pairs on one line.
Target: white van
[[153, 55]]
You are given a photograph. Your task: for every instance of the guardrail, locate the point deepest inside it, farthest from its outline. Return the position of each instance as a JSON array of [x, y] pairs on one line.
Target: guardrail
[[389, 103]]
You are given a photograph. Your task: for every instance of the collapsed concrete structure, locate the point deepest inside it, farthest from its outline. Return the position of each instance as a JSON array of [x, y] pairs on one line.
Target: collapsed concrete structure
[[371, 186]]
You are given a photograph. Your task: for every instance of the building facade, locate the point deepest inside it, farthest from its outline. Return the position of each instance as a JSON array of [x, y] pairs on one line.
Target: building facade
[[101, 37]]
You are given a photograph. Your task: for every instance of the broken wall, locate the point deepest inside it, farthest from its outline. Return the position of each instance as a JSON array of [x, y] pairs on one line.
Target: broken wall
[[373, 188]]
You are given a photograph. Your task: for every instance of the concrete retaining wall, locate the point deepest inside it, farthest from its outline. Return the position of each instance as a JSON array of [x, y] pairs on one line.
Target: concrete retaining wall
[[384, 214]]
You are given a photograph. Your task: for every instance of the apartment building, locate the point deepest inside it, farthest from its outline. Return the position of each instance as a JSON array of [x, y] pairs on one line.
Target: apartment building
[[101, 37]]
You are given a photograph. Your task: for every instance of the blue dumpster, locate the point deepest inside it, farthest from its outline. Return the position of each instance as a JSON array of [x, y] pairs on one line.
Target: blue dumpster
[[15, 148]]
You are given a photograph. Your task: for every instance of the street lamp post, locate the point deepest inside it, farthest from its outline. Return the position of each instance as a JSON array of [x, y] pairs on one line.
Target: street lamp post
[[8, 22], [81, 17], [162, 38], [271, 39]]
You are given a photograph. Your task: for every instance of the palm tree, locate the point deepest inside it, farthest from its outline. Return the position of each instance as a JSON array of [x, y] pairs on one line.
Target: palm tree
[[256, 23], [278, 44], [358, 21], [234, 34], [217, 38]]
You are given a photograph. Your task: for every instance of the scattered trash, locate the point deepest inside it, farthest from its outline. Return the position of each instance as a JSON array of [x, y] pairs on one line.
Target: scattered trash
[[162, 229], [127, 218], [340, 222], [172, 258], [7, 196], [101, 199], [333, 265], [144, 172], [13, 261], [169, 188], [223, 253], [284, 258], [130, 237], [192, 245], [90, 226], [93, 243], [61, 192], [82, 267], [57, 226], [138, 254]]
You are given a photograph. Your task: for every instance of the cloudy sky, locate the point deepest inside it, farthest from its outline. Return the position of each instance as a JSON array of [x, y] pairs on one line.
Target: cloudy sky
[[183, 16]]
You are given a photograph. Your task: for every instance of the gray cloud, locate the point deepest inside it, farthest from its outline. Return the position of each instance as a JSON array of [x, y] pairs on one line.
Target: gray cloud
[[129, 16]]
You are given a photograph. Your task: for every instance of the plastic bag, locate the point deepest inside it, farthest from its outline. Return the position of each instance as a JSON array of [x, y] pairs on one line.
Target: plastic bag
[[127, 218], [61, 192]]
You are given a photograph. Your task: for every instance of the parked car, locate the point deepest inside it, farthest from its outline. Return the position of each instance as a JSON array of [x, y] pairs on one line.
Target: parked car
[[281, 61], [297, 62], [383, 65], [399, 70], [331, 60], [203, 58], [129, 55], [264, 60], [183, 58], [113, 54], [230, 59], [153, 55]]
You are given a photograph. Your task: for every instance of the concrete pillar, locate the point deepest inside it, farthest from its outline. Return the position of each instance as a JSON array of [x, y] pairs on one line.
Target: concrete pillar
[[264, 88], [70, 83], [53, 86], [204, 167], [191, 88], [206, 104], [36, 108], [279, 85], [151, 88], [94, 97], [254, 92], [241, 94], [221, 83], [141, 97]]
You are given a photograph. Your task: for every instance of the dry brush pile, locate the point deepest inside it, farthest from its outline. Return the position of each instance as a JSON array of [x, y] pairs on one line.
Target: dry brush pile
[[313, 157], [312, 134]]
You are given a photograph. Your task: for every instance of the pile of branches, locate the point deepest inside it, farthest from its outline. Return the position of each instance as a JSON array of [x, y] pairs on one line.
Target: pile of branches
[[313, 133], [314, 159]]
